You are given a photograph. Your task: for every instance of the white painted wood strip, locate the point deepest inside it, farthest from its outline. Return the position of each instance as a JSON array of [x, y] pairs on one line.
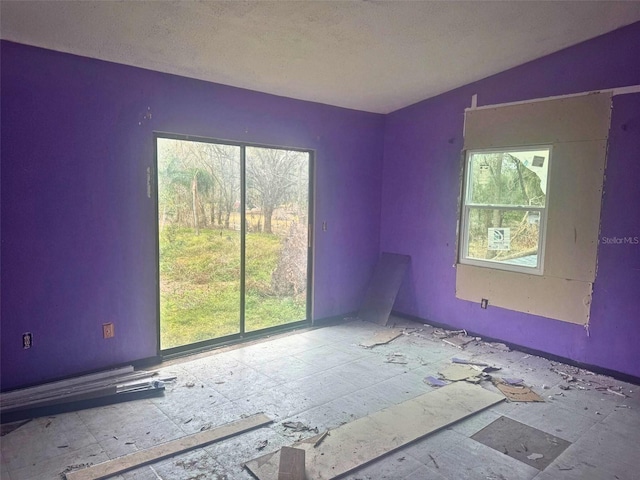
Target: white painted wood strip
[[169, 449], [613, 91], [357, 443]]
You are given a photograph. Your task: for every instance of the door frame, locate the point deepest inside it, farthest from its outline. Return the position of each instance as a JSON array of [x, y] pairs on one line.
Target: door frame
[[242, 335]]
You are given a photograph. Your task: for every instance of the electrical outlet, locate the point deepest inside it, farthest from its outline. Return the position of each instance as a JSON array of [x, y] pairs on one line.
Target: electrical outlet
[[27, 340], [108, 330], [484, 303]]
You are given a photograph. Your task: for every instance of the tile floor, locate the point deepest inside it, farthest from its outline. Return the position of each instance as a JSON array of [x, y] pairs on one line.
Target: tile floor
[[323, 378]]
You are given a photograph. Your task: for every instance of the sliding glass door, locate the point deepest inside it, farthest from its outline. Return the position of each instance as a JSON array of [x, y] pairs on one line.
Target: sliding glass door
[[233, 245]]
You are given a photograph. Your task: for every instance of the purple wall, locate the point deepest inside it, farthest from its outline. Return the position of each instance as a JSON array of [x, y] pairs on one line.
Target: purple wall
[[78, 231], [419, 204]]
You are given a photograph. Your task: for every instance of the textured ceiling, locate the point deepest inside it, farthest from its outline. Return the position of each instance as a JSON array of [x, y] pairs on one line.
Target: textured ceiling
[[376, 56]]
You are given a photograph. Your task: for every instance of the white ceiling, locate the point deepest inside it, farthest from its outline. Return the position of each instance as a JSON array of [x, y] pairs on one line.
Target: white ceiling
[[369, 55]]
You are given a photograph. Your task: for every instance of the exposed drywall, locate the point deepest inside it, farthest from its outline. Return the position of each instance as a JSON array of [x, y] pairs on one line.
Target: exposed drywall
[[421, 175], [78, 229], [576, 129]]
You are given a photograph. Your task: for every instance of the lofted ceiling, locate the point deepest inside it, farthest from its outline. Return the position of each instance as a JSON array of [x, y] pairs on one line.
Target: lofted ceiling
[[369, 55]]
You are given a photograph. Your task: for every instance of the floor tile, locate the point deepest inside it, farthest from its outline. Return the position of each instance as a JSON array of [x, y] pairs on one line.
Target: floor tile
[[391, 467], [553, 418], [52, 467], [468, 459], [321, 387], [522, 442]]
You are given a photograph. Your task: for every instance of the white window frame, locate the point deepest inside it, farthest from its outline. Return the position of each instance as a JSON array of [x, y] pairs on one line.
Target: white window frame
[[467, 205]]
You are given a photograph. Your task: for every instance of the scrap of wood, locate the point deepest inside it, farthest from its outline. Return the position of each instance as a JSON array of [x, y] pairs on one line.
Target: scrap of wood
[[518, 393], [363, 440], [291, 464], [456, 372], [468, 362], [458, 342], [382, 338], [620, 394], [321, 439], [168, 449]]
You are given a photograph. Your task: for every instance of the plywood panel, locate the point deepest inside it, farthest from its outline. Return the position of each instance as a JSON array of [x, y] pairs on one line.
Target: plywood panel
[[571, 119], [359, 442], [383, 288], [575, 196], [546, 296]]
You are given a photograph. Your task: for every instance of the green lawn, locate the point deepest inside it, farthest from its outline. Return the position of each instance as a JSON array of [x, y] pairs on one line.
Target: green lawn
[[200, 285]]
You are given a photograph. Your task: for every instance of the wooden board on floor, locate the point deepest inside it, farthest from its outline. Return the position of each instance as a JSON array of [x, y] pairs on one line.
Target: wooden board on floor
[[352, 445], [291, 464], [165, 450], [383, 288]]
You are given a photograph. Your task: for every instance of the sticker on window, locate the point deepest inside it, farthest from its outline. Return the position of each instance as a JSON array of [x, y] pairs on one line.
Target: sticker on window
[[499, 239]]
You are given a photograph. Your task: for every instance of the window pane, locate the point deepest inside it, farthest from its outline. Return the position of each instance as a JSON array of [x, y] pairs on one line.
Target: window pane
[[509, 177], [504, 235]]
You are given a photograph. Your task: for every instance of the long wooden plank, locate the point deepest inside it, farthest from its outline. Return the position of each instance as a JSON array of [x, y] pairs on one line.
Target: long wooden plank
[[357, 443], [291, 464], [165, 450]]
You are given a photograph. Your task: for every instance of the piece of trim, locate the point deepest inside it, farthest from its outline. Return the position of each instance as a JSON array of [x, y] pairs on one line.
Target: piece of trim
[[614, 91], [169, 449]]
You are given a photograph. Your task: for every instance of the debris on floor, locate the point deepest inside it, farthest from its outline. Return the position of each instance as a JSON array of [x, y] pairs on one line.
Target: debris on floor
[[498, 346], [382, 338], [299, 427], [262, 445], [459, 341], [441, 333], [396, 358], [517, 393], [535, 456], [456, 372], [435, 382], [469, 362], [512, 381]]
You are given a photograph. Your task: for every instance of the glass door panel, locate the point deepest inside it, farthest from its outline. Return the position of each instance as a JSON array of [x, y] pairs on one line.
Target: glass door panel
[[277, 245], [199, 235]]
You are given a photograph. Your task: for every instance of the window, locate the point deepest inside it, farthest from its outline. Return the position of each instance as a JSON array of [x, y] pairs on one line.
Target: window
[[505, 208]]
